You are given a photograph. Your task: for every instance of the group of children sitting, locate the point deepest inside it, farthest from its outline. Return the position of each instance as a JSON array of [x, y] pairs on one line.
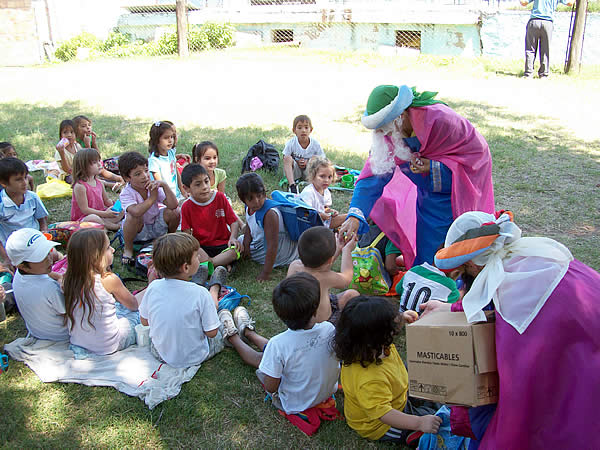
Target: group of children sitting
[[91, 307]]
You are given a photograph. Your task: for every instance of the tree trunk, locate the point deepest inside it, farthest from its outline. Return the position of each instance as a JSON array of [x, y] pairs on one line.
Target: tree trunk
[[573, 63], [49, 22], [182, 41]]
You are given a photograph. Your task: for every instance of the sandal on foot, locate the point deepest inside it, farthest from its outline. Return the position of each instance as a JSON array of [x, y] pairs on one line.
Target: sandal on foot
[[128, 261]]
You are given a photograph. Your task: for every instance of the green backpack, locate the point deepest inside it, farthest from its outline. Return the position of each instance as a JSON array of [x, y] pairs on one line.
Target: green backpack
[[370, 276]]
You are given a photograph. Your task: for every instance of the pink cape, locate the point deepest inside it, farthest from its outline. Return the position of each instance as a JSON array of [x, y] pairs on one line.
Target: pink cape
[[550, 374], [449, 138]]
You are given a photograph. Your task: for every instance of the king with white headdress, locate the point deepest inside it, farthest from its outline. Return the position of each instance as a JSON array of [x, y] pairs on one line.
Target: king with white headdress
[[421, 173]]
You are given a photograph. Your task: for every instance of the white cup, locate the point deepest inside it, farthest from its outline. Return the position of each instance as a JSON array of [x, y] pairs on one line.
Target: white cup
[[142, 335]]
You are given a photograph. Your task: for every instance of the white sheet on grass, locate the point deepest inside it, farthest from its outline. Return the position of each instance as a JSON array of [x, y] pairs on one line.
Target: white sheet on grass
[[133, 371]]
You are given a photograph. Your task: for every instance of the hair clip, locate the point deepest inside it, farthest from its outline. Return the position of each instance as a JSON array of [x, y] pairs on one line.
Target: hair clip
[[157, 123]]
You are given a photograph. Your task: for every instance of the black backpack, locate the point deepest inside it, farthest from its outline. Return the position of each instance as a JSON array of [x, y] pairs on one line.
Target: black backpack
[[266, 153]]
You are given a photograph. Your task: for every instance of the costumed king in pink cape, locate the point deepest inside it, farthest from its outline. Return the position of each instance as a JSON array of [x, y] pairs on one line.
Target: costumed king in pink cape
[[414, 187], [547, 339]]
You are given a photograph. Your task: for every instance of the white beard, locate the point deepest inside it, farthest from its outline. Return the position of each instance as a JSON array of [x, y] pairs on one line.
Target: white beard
[[382, 161]]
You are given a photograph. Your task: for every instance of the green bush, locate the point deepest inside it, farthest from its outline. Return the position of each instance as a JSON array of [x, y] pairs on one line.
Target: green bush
[[115, 39], [220, 35], [197, 40], [125, 51], [120, 45], [68, 49], [167, 44]]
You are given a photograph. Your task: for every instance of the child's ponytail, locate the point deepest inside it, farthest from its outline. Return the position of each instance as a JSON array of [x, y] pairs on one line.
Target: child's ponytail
[[156, 131], [199, 149]]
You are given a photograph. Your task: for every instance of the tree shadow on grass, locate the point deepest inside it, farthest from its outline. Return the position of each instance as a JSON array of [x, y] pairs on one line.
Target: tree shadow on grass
[[34, 414], [506, 73], [548, 182], [545, 175]]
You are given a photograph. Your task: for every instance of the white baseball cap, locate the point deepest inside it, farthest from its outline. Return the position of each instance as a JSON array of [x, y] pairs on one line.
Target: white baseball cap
[[28, 245]]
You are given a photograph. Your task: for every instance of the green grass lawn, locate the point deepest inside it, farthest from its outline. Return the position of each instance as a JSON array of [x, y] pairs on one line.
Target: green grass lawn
[[544, 170]]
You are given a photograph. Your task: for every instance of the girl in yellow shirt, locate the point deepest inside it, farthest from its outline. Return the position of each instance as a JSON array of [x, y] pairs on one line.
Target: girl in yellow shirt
[[374, 377]]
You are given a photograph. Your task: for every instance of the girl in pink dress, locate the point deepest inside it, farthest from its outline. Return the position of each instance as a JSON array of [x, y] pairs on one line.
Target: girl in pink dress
[[90, 202]]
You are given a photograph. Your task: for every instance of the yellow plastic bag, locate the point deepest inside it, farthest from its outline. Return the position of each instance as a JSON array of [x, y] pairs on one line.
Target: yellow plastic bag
[[54, 188]]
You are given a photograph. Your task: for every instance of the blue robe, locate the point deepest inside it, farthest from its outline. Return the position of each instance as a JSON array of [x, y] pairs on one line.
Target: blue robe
[[434, 205]]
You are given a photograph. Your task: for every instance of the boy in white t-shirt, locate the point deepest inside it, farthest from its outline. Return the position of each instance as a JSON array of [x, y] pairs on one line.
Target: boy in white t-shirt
[[297, 367], [184, 326], [299, 150], [39, 298]]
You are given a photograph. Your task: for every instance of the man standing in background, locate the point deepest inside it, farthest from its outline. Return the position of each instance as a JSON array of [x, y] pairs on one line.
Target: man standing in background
[[539, 34]]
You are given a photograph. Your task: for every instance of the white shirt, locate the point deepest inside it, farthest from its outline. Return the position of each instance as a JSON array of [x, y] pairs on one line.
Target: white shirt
[[42, 306], [294, 149], [312, 198], [108, 330], [178, 313], [304, 361]]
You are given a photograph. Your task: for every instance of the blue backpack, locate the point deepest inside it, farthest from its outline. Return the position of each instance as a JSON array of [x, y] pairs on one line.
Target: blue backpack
[[297, 215], [229, 298]]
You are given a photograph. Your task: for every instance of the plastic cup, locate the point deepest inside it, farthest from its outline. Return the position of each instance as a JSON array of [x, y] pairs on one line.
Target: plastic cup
[[348, 181], [117, 206], [142, 335]]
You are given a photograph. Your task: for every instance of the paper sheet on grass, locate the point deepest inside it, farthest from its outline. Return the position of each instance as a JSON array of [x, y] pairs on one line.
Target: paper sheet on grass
[[133, 371]]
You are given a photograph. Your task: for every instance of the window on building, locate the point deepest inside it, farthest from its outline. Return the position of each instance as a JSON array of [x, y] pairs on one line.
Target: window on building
[[282, 35], [408, 39]]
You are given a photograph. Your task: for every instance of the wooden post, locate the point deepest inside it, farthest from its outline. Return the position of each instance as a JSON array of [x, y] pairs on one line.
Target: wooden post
[[182, 41], [577, 37], [49, 22]]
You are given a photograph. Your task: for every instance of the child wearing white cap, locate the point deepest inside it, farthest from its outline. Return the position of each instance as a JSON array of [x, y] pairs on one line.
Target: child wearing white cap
[[38, 297]]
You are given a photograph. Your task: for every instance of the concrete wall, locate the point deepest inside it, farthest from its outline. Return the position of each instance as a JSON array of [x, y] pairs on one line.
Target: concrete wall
[[71, 17], [18, 36], [24, 28], [138, 24], [436, 39]]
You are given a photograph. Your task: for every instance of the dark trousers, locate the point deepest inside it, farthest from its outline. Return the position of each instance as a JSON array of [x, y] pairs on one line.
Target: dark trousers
[[537, 38]]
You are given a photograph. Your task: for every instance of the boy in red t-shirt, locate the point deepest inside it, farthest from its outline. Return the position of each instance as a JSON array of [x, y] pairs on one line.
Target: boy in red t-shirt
[[208, 216]]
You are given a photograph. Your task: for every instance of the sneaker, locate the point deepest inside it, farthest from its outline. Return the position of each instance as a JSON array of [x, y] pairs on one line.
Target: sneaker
[[293, 189], [228, 327], [243, 321], [219, 276]]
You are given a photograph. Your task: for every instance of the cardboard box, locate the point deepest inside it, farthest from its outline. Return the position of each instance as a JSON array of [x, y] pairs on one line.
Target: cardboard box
[[452, 361]]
